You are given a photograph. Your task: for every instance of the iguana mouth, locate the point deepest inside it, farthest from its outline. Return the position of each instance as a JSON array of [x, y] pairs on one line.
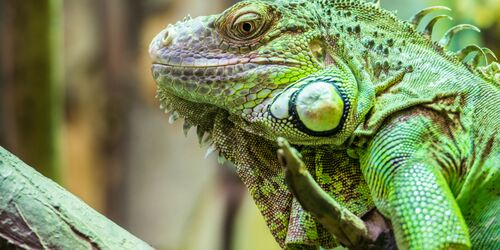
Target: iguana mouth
[[223, 83], [210, 63]]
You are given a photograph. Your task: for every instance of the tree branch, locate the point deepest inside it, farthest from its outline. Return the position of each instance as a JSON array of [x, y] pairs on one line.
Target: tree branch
[[37, 213]]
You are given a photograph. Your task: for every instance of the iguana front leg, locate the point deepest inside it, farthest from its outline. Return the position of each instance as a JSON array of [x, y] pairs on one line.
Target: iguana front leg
[[408, 185], [347, 227], [350, 230]]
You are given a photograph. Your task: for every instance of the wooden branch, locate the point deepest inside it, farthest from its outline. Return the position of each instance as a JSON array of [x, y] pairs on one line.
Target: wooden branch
[[36, 213], [371, 232]]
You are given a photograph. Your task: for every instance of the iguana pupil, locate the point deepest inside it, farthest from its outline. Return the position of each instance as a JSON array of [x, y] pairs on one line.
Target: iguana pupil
[[247, 27]]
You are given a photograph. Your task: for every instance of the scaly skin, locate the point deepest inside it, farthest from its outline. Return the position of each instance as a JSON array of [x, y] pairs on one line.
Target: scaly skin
[[382, 116]]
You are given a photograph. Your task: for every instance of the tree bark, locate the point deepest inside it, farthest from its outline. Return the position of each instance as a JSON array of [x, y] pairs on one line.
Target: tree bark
[[37, 213]]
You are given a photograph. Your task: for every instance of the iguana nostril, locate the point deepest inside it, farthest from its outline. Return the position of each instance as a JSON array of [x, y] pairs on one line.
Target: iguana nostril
[[167, 38]]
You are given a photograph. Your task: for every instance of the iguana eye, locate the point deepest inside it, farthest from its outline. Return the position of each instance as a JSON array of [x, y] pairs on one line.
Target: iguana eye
[[247, 26]]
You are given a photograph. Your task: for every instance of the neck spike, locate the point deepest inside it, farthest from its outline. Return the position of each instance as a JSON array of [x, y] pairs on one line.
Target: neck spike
[[448, 36], [417, 18], [463, 53], [430, 26]]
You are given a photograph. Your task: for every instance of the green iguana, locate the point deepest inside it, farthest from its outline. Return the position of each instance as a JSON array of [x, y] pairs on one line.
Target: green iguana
[[381, 116]]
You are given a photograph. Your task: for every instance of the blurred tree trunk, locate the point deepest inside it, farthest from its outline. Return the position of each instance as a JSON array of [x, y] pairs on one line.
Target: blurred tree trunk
[[32, 67]]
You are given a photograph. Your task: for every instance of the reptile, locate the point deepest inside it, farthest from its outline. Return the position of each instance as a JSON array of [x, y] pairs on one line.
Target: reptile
[[379, 115]]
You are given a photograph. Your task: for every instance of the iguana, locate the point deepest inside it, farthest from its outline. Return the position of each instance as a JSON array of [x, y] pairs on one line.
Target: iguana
[[381, 116]]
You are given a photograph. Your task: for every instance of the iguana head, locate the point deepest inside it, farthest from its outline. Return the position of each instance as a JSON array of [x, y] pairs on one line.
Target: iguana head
[[255, 61]]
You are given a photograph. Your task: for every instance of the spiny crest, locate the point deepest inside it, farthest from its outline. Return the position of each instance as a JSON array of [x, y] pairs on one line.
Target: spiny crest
[[375, 3], [445, 41], [204, 137]]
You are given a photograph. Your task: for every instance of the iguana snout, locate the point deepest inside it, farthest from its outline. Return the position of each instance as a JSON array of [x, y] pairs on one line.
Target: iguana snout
[[188, 63]]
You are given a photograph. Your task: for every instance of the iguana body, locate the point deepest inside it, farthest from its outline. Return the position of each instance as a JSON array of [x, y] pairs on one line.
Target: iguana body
[[382, 116]]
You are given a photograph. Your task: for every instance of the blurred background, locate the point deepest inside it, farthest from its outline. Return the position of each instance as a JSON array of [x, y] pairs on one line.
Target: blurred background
[[77, 103]]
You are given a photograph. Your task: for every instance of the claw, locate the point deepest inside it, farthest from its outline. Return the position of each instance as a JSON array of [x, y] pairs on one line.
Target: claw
[[446, 40], [173, 117], [417, 18], [430, 26]]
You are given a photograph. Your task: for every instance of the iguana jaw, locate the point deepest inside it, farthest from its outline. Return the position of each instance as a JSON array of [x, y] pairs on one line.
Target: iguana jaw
[[208, 83]]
